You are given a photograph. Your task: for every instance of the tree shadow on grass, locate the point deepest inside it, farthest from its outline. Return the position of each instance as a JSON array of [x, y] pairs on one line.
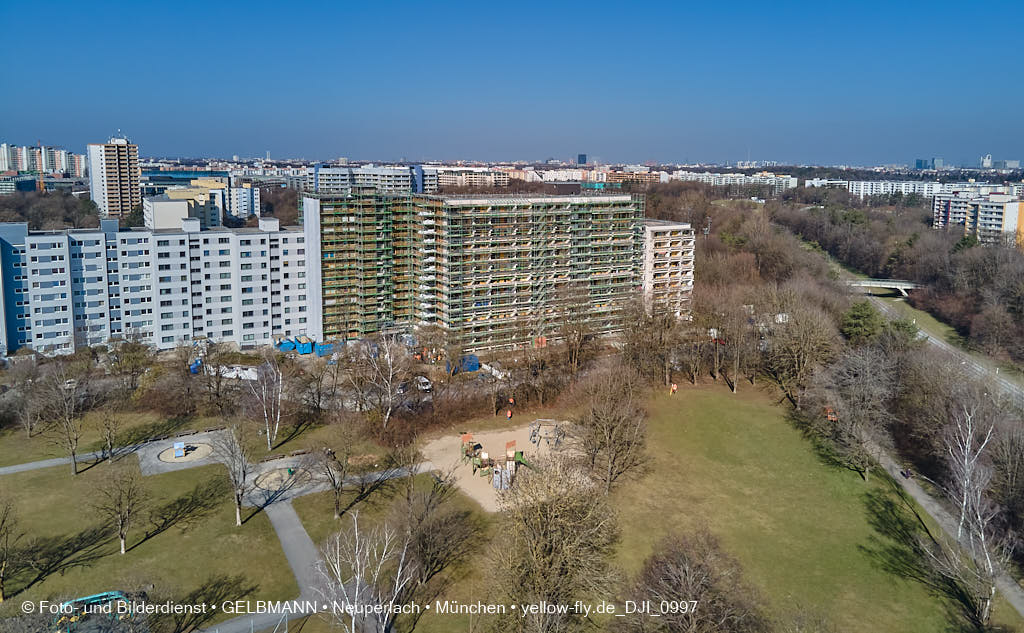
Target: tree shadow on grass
[[142, 433], [296, 430], [42, 557], [896, 548], [185, 510], [825, 452], [214, 591]]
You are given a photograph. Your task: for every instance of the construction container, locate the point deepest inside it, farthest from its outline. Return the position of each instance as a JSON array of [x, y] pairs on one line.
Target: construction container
[[324, 349], [286, 345], [304, 344]]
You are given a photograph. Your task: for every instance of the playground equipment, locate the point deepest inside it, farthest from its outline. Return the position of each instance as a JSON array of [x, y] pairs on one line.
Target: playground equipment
[[830, 414], [81, 613], [549, 431], [501, 470]]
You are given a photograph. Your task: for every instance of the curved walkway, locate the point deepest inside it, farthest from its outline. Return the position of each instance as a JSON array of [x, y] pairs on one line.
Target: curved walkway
[[299, 549]]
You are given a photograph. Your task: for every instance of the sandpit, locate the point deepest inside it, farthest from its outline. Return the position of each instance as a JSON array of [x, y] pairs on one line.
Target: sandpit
[[281, 479], [444, 453], [193, 453]]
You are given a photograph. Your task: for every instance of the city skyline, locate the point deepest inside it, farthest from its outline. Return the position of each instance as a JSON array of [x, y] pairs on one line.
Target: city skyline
[[667, 84]]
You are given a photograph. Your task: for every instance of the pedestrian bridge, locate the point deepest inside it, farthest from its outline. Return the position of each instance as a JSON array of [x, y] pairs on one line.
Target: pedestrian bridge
[[895, 284]]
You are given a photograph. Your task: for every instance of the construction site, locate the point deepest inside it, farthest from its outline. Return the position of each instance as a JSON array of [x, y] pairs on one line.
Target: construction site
[[491, 271]]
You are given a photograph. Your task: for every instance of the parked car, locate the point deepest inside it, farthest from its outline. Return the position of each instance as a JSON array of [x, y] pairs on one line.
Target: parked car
[[423, 383]]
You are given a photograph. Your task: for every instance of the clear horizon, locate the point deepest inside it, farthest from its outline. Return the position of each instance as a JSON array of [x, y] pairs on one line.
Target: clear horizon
[[670, 84]]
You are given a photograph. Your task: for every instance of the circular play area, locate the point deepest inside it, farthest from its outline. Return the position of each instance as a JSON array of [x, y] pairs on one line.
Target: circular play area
[[281, 478], [187, 453]]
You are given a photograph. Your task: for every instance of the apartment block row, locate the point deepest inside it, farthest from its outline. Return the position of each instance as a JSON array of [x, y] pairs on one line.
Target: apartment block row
[[48, 160], [66, 289], [991, 213], [777, 182], [927, 189], [492, 271]]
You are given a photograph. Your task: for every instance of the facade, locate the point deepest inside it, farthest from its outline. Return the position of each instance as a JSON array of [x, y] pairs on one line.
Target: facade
[[244, 201], [777, 182], [492, 271], [668, 266], [333, 180], [992, 213], [471, 177], [67, 289], [864, 188], [48, 160], [114, 177]]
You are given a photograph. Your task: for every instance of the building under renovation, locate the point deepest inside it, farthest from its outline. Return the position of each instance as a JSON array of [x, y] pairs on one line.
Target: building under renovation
[[492, 271]]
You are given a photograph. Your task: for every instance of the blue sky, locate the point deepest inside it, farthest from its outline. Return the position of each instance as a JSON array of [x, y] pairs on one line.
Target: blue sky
[[816, 82]]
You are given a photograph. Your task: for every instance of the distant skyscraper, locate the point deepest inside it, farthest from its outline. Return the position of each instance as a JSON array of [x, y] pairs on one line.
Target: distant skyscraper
[[581, 159], [114, 177]]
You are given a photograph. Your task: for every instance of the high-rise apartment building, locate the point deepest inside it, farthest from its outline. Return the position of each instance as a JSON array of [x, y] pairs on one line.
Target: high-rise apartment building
[[668, 266], [66, 289], [114, 177], [244, 201], [492, 271], [992, 213]]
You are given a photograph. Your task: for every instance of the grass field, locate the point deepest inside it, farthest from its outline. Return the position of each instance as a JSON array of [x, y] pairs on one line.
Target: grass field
[[805, 532], [17, 448], [193, 547]]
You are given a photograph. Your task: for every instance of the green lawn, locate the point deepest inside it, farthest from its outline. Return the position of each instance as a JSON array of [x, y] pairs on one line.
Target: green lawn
[[802, 530], [197, 541], [17, 448]]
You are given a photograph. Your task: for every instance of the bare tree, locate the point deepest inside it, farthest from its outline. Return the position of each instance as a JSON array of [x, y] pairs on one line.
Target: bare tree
[[573, 328], [611, 431], [442, 536], [63, 393], [333, 469], [851, 398], [975, 558], [802, 338], [120, 497], [129, 358], [368, 568], [10, 534], [378, 371], [219, 388], [692, 571], [557, 541], [267, 394], [966, 440], [110, 422], [318, 388], [233, 453]]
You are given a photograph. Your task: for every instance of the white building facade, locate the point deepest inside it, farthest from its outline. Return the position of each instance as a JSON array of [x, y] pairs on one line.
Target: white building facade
[[63, 290]]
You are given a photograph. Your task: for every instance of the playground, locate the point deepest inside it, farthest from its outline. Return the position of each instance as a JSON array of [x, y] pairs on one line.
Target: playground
[[475, 457]]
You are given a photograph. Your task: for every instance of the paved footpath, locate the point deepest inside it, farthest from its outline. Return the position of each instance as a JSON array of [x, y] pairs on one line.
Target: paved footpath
[[1006, 585], [299, 549]]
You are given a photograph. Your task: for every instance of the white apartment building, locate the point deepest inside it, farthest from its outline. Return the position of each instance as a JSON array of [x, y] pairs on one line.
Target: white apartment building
[[471, 177], [66, 289], [417, 179], [667, 270], [244, 201], [777, 182]]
